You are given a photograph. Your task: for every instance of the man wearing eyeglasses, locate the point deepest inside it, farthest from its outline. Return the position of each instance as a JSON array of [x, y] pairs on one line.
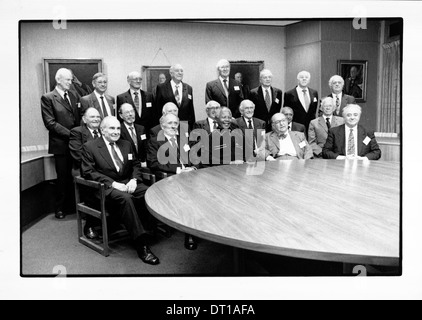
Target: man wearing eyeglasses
[[141, 101], [99, 99], [282, 144]]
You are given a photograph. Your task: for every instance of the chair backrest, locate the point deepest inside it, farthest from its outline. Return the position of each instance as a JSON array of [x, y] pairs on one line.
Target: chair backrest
[[148, 178]]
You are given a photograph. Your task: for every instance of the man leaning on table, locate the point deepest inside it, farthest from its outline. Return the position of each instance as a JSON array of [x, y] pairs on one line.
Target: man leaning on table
[[283, 144], [351, 140]]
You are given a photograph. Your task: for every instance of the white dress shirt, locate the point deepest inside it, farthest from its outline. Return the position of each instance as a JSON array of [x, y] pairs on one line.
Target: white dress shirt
[[247, 122], [355, 135], [111, 155], [61, 92], [105, 103], [287, 147], [301, 97], [211, 123]]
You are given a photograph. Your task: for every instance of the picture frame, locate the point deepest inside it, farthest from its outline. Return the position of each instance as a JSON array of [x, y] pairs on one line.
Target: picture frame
[[355, 74], [150, 76], [250, 71], [82, 69]]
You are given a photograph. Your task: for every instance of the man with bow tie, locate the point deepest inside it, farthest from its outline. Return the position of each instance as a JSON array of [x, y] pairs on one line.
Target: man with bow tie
[[283, 144], [60, 114]]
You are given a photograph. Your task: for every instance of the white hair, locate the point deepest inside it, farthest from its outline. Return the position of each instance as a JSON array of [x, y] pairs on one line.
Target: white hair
[[62, 72]]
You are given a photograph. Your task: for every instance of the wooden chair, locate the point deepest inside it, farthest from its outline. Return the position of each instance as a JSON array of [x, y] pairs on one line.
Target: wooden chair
[[94, 204]]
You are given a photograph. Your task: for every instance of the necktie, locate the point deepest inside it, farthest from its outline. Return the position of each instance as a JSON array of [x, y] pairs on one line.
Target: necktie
[[351, 144], [173, 142], [307, 102], [215, 125], [116, 158], [250, 124], [132, 134], [96, 136], [137, 103], [283, 136], [288, 128], [66, 99], [328, 123], [103, 107], [226, 88], [177, 96], [267, 99], [338, 105]]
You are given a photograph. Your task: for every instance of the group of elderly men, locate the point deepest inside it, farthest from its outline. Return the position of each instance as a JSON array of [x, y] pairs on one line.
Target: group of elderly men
[[92, 138]]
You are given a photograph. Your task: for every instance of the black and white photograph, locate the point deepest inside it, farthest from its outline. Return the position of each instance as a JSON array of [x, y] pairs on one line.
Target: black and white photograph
[[206, 151]]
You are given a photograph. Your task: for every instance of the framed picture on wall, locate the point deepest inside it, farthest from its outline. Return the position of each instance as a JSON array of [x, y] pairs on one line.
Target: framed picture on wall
[[82, 69], [354, 73], [250, 72], [153, 75]]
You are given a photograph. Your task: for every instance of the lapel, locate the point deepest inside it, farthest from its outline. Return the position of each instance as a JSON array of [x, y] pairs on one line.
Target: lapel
[[103, 150], [342, 138], [297, 97], [323, 124], [242, 123], [274, 140], [110, 104], [361, 136], [219, 85], [94, 102], [207, 125], [128, 98], [86, 134], [184, 94], [295, 141], [60, 100]]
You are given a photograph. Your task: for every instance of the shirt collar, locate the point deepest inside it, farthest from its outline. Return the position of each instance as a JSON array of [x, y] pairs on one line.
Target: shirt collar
[[221, 79], [173, 84], [132, 92], [60, 91]]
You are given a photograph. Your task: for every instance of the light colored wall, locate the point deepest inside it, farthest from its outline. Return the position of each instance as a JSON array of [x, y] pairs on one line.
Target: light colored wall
[[126, 46]]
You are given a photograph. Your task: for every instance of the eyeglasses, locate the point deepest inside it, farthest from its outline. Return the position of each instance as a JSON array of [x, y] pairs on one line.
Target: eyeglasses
[[136, 79], [280, 121]]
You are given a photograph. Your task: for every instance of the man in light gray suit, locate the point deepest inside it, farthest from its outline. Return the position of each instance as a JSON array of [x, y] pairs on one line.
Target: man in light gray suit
[[283, 144], [99, 99], [318, 128]]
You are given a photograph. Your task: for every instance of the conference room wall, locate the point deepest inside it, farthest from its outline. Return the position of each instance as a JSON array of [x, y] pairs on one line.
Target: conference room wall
[[128, 45]]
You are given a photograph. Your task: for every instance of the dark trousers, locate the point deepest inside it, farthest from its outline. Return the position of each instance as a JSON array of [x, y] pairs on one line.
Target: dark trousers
[[65, 193], [130, 209]]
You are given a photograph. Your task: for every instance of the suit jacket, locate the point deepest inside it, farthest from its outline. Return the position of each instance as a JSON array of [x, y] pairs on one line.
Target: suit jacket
[[345, 100], [291, 100], [249, 145], [245, 91], [91, 101], [98, 165], [261, 111], [172, 154], [336, 143], [298, 127], [141, 140], [78, 137], [318, 132], [165, 94], [272, 145], [59, 118], [147, 114], [202, 124], [214, 91]]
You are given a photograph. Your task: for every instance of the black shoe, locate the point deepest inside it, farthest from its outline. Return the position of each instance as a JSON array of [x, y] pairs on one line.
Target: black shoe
[[60, 215], [190, 242], [90, 233], [145, 254]]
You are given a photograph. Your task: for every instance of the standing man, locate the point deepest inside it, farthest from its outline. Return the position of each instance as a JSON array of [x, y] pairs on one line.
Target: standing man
[[99, 99], [60, 114], [141, 100], [292, 126], [179, 93], [266, 98], [318, 128], [225, 91], [110, 160], [336, 84], [351, 140], [303, 100], [245, 88], [134, 133], [283, 144], [248, 122]]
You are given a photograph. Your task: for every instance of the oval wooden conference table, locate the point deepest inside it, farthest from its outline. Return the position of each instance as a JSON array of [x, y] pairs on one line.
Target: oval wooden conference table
[[332, 210]]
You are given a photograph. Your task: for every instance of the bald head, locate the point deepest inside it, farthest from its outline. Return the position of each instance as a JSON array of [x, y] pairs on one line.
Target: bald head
[[110, 129]]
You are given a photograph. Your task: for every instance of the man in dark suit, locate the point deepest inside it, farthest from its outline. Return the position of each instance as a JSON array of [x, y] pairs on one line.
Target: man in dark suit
[[225, 91], [112, 161], [303, 100], [89, 130], [98, 99], [141, 100], [212, 109], [169, 152], [244, 87], [60, 114], [253, 129], [266, 98], [336, 84], [134, 133], [351, 140], [169, 107], [179, 93], [292, 126]]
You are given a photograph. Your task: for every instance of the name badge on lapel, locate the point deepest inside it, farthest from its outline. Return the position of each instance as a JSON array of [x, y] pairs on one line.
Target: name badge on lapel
[[302, 144], [366, 140], [149, 104], [315, 99], [143, 137], [130, 156], [190, 97], [277, 101], [236, 88]]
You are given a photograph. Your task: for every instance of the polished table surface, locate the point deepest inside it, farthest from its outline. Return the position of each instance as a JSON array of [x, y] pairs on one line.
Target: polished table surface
[[332, 210]]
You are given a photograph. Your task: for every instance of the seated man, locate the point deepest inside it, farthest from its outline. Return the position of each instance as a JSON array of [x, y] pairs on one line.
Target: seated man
[[318, 128], [293, 126], [283, 144], [134, 133], [89, 130], [212, 109], [112, 161], [351, 140], [248, 122], [165, 154], [169, 107]]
